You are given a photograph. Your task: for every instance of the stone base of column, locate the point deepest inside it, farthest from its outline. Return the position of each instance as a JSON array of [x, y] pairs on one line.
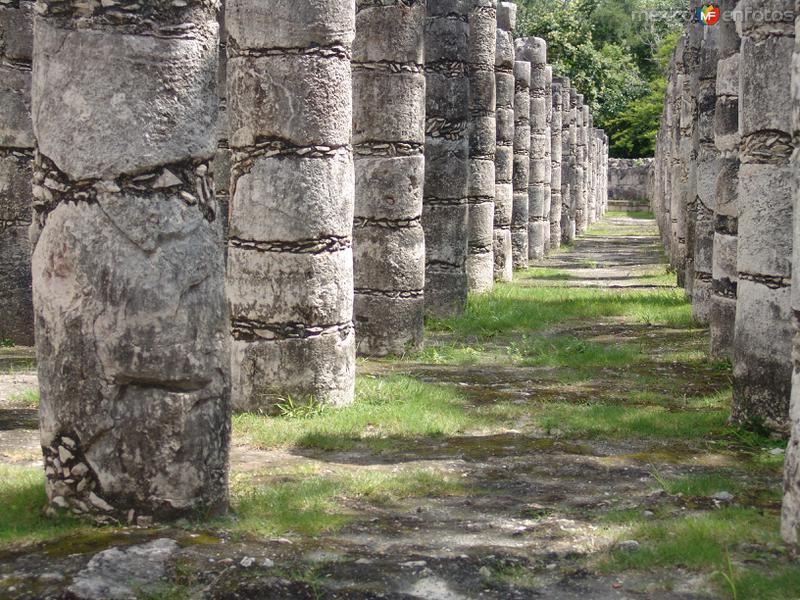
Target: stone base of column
[[480, 270], [321, 368], [388, 326], [537, 231], [445, 292], [701, 298], [503, 263], [722, 316]]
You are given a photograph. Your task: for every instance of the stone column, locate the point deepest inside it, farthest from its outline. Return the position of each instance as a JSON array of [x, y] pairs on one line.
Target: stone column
[[590, 151], [762, 365], [444, 212], [579, 183], [548, 175], [522, 145], [556, 137], [221, 167], [16, 154], [690, 142], [706, 179], [290, 259], [790, 516], [534, 50], [389, 139], [567, 124], [482, 142], [722, 313], [128, 288], [504, 152], [586, 163]]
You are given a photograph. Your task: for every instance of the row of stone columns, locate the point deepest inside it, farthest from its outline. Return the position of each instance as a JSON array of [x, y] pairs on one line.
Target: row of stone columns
[[725, 191], [225, 206]]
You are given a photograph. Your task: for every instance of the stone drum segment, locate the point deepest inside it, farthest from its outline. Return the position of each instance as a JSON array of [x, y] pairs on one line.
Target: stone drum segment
[[388, 139], [290, 260], [128, 275]]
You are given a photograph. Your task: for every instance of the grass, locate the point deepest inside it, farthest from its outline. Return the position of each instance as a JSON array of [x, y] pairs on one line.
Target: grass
[[516, 308], [740, 542], [310, 503], [385, 408], [630, 214], [28, 397], [23, 499]]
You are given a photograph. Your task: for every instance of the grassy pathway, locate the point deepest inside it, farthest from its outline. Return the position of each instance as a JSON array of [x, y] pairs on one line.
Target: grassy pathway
[[565, 438]]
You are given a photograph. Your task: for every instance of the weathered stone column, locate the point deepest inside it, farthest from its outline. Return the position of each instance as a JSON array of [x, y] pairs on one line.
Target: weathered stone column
[[722, 313], [522, 145], [128, 288], [221, 167], [762, 365], [388, 139], [567, 148], [534, 50], [580, 167], [482, 142], [706, 178], [290, 260], [548, 175], [690, 142], [504, 152], [682, 143], [790, 517], [16, 154], [590, 150], [556, 138], [444, 212]]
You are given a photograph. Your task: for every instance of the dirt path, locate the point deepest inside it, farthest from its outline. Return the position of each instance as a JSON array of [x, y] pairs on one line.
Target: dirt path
[[531, 515]]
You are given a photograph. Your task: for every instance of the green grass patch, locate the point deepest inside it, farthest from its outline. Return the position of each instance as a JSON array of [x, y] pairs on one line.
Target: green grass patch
[[629, 214], [28, 397], [569, 351], [23, 499], [385, 408], [310, 503], [544, 274], [512, 307], [613, 421]]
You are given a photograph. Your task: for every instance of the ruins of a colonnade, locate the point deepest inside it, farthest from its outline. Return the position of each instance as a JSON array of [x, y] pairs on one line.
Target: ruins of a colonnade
[[16, 156], [567, 149], [578, 177], [763, 332], [504, 150], [534, 51], [722, 313], [290, 260], [689, 144], [388, 140], [482, 142], [521, 178], [447, 164], [127, 262], [706, 177], [556, 144], [548, 146]]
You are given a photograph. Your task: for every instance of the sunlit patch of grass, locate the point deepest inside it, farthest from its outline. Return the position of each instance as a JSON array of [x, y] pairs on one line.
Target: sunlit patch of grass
[[311, 503], [385, 408], [735, 541], [511, 308], [23, 499], [28, 397], [614, 421], [569, 351], [543, 274], [630, 214]]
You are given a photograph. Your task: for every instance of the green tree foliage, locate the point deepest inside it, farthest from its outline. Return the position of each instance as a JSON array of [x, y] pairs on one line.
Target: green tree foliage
[[616, 52]]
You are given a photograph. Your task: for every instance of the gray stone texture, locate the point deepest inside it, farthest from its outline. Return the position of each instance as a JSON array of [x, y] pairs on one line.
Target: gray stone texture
[[482, 144], [447, 164], [790, 515], [290, 259], [556, 141], [127, 265], [389, 139], [534, 51], [504, 150], [522, 145], [16, 154], [762, 366], [567, 160], [578, 175]]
